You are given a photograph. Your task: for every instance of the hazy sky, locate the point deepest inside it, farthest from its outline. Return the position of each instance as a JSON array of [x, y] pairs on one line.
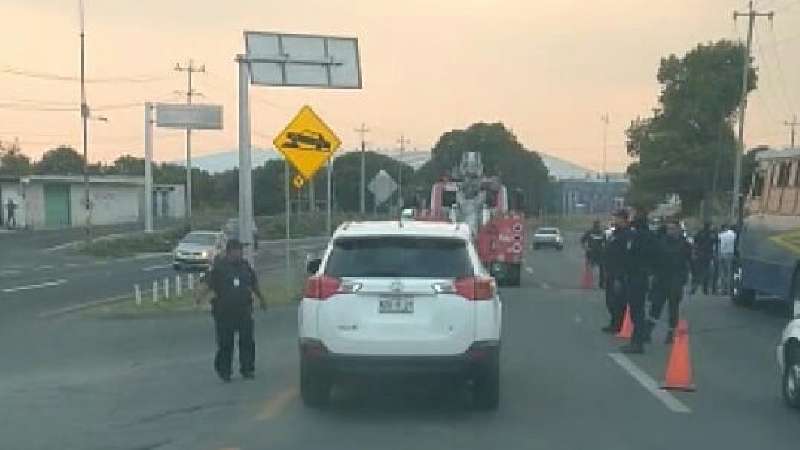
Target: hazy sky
[[548, 69]]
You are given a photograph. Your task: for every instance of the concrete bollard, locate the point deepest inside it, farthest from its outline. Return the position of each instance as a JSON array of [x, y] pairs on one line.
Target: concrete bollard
[[166, 288], [155, 291], [137, 293], [190, 281], [178, 286]]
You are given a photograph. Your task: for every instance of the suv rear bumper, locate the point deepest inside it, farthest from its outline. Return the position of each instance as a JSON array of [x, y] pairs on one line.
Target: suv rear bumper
[[480, 355]]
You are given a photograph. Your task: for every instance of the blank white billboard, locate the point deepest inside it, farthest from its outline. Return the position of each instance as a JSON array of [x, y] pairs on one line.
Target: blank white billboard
[[278, 59], [195, 116]]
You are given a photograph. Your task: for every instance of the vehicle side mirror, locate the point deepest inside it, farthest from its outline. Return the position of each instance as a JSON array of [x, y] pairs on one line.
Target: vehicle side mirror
[[313, 266]]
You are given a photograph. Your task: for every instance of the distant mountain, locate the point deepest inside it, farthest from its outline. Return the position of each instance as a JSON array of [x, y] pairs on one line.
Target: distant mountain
[[227, 160]]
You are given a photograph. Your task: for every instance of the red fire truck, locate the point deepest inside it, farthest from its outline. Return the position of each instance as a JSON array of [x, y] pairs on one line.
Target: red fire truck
[[481, 202]]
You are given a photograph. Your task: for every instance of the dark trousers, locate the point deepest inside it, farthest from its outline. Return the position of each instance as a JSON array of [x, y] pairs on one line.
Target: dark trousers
[[635, 293], [701, 275], [227, 325], [668, 291], [615, 299]]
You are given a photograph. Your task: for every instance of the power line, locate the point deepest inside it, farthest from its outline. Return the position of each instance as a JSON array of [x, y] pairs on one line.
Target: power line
[[190, 70], [58, 77]]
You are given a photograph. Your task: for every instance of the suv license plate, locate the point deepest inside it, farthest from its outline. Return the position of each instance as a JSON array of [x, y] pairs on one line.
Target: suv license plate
[[396, 306]]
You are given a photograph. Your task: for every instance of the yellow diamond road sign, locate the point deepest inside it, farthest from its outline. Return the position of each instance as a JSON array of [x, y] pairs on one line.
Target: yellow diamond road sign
[[307, 142]]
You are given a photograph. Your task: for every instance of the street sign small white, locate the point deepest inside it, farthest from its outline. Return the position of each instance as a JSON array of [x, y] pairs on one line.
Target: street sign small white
[[196, 116], [382, 186]]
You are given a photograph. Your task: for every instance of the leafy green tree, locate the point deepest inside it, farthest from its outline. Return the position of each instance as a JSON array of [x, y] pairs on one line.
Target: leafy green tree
[[502, 155], [13, 161], [688, 146], [62, 160], [127, 165]]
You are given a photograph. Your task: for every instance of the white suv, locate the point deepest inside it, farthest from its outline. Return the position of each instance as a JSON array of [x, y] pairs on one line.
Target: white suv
[[400, 297], [788, 355]]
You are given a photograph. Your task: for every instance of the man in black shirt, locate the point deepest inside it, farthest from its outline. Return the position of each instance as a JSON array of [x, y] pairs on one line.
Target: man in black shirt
[[234, 282], [705, 245], [615, 280], [593, 243], [637, 262], [671, 274]]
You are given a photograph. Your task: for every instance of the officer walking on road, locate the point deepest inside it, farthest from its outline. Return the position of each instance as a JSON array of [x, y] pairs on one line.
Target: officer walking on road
[[672, 264], [234, 282], [593, 243], [615, 249], [637, 262], [705, 244]]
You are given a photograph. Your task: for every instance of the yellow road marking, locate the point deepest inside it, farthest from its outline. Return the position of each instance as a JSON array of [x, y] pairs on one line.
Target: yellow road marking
[[275, 405]]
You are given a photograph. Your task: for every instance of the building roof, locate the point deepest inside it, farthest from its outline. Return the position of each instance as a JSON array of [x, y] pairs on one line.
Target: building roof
[[406, 228], [96, 179], [774, 154]]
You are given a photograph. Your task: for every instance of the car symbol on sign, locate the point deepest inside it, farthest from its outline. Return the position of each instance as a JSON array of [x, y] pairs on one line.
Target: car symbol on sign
[[306, 140]]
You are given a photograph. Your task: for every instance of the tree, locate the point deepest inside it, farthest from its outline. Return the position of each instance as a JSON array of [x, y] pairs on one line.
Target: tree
[[62, 160], [688, 146], [13, 161], [501, 154], [127, 165]]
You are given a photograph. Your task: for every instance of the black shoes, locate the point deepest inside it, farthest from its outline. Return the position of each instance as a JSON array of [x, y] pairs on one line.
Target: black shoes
[[632, 349], [248, 375], [669, 338], [225, 377], [610, 329]]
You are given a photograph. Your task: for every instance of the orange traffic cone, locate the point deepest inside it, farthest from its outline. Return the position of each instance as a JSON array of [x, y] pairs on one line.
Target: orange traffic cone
[[587, 280], [627, 325], [679, 367]]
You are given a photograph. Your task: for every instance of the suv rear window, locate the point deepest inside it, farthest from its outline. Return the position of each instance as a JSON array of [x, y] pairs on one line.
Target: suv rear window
[[402, 257]]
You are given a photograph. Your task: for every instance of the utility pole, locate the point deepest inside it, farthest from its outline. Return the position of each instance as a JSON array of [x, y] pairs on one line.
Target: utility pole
[[85, 123], [402, 141], [604, 119], [363, 131], [792, 125], [751, 15], [189, 69]]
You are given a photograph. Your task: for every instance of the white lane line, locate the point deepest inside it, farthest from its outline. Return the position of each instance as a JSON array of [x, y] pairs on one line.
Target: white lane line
[[647, 382], [529, 270], [35, 286], [82, 306], [9, 272], [158, 267], [44, 267]]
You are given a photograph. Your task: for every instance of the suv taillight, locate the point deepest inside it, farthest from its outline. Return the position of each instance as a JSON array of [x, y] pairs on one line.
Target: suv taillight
[[475, 288], [321, 287]]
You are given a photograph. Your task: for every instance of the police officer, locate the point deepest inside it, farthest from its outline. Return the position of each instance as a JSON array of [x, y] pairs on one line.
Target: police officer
[[671, 274], [705, 245], [234, 282], [615, 250], [593, 243], [637, 262]]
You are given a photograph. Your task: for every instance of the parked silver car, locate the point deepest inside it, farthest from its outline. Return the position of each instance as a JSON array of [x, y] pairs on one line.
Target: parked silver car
[[548, 237]]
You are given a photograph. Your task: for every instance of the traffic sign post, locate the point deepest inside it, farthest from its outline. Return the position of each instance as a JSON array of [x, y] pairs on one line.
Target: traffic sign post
[[382, 187], [307, 143], [299, 60]]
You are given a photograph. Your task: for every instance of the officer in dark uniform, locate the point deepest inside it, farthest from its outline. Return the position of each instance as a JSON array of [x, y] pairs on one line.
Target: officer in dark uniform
[[705, 245], [234, 282], [672, 267], [615, 250], [593, 243], [637, 263]]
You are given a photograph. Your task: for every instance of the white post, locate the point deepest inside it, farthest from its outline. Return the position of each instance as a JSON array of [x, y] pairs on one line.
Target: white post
[[178, 287], [148, 169], [155, 291], [190, 281], [138, 294], [166, 288], [245, 162]]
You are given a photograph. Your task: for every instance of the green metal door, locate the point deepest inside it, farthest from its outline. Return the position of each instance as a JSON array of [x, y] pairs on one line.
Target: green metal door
[[56, 205]]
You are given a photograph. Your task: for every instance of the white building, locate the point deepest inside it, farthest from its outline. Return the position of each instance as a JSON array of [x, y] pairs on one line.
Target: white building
[[56, 201]]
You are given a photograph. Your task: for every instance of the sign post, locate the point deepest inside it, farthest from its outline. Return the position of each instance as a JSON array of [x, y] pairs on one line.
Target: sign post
[[290, 60], [172, 115]]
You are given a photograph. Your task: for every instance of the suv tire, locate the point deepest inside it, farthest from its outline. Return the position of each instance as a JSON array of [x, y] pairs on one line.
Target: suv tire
[[486, 388], [790, 384], [315, 387]]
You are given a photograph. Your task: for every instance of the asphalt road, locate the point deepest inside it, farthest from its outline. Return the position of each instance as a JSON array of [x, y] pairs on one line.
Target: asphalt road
[[73, 382]]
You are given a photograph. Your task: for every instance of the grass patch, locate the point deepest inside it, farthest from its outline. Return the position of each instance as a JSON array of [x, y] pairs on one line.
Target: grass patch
[[276, 291], [132, 244]]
